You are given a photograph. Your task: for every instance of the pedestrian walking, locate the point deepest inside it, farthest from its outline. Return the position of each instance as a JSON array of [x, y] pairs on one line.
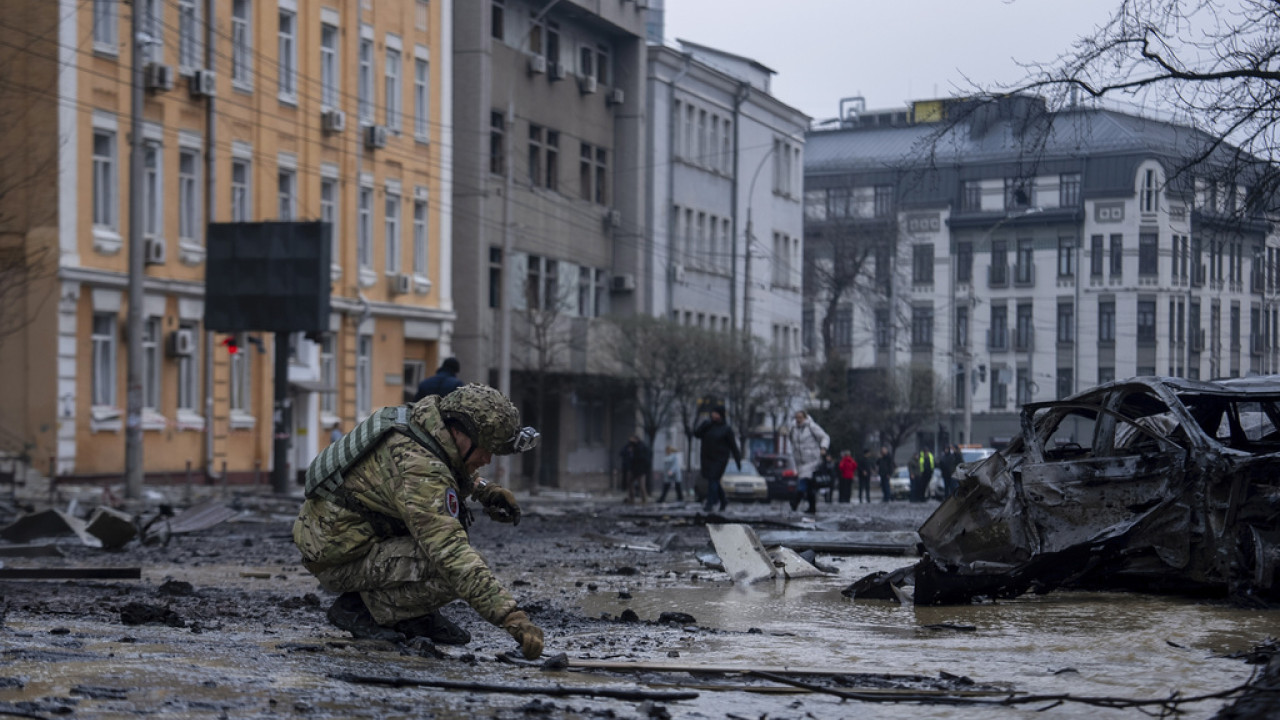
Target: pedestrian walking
[[443, 382], [718, 445], [385, 520], [884, 466], [637, 463], [848, 469], [809, 443], [672, 475]]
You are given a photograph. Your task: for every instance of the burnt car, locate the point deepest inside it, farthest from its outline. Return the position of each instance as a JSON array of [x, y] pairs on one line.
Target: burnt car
[[1159, 484], [779, 471]]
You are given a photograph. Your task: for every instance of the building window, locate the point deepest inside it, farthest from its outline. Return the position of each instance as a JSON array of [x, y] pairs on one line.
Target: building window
[[1066, 323], [1146, 321], [1026, 387], [1069, 190], [1117, 256], [882, 328], [364, 81], [552, 150], [1147, 254], [151, 14], [1106, 374], [151, 363], [395, 93], [241, 379], [593, 173], [1024, 333], [1107, 321], [497, 135], [105, 181], [364, 228], [602, 171], [585, 294], [241, 45], [535, 155], [496, 20], [328, 66], [495, 277], [287, 62], [1066, 257], [104, 359], [106, 29], [287, 191], [420, 237], [189, 374], [1096, 257], [971, 198], [962, 327], [999, 388], [152, 191], [922, 264], [329, 204], [1025, 269], [392, 226], [1149, 191], [364, 376], [1017, 194], [188, 36], [922, 327], [964, 262], [188, 196], [998, 275], [998, 335], [421, 99], [883, 201], [241, 200], [329, 374]]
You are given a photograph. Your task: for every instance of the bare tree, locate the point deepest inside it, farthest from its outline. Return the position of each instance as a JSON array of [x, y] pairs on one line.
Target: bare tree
[[543, 341], [652, 354], [907, 398]]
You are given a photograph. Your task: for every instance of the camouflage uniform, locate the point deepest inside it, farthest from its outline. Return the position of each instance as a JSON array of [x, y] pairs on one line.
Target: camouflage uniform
[[403, 576]]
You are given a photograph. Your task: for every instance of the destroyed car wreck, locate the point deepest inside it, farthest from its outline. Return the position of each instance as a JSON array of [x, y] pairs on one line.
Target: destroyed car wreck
[[1157, 484]]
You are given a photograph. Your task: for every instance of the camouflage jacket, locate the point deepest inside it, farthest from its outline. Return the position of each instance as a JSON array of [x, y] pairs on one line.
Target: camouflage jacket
[[403, 480]]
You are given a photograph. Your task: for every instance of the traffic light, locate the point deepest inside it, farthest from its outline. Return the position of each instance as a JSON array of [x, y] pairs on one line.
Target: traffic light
[[231, 345]]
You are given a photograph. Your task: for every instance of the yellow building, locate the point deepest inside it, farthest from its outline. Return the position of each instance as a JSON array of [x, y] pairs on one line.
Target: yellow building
[[255, 110]]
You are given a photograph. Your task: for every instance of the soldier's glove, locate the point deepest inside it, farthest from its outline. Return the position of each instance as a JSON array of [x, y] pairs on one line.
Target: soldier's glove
[[499, 504], [525, 632]]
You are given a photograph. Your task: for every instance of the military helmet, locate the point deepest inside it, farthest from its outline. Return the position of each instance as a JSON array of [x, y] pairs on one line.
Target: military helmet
[[491, 421]]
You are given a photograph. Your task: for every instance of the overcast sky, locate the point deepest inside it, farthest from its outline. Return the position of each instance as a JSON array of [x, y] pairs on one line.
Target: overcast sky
[[888, 52]]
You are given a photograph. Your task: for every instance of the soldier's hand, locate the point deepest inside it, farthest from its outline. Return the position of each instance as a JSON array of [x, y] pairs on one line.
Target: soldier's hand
[[499, 504], [525, 632]]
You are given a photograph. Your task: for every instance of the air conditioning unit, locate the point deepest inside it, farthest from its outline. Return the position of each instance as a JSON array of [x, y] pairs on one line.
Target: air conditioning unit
[[154, 252], [587, 84], [537, 64], [615, 96], [157, 77], [612, 218], [203, 83], [626, 282], [333, 121], [557, 71], [182, 343], [401, 284], [375, 136]]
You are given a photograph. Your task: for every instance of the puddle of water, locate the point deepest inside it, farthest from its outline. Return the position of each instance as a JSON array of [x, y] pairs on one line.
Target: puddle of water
[[1101, 644]]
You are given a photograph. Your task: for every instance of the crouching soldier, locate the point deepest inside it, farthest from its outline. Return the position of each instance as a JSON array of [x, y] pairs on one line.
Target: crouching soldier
[[385, 522]]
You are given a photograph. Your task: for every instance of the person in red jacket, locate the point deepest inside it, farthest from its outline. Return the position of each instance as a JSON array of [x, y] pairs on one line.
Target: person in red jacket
[[848, 468]]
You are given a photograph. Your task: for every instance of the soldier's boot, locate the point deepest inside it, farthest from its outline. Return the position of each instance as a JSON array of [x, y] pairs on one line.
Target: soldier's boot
[[435, 627], [349, 613]]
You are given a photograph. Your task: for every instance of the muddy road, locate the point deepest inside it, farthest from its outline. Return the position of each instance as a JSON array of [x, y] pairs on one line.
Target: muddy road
[[224, 623]]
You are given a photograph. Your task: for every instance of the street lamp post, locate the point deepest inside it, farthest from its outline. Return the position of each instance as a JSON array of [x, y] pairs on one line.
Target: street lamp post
[[746, 285]]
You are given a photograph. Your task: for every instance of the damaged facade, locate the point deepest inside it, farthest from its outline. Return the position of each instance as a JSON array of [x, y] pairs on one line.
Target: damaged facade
[[1159, 484]]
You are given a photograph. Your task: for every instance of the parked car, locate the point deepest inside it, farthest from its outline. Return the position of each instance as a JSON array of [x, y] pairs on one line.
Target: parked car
[[779, 472], [745, 485], [974, 454], [1160, 484], [900, 483]]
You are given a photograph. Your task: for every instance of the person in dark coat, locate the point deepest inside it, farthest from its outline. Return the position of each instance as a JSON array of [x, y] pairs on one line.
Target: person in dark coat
[[443, 382], [884, 466], [947, 465], [718, 444], [865, 468], [637, 462]]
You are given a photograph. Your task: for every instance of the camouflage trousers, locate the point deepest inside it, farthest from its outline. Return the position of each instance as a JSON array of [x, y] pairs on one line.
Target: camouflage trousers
[[393, 579]]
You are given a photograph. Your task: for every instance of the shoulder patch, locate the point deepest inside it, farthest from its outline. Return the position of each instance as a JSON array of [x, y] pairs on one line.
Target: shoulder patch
[[451, 502]]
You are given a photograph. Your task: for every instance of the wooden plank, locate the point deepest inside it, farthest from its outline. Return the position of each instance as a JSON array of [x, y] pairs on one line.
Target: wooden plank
[[71, 573]]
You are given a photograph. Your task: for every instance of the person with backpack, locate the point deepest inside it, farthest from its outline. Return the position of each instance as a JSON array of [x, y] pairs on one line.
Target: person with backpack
[[809, 443], [385, 520]]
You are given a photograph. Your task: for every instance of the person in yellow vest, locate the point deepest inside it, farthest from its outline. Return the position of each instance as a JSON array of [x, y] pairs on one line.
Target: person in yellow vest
[[921, 471]]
